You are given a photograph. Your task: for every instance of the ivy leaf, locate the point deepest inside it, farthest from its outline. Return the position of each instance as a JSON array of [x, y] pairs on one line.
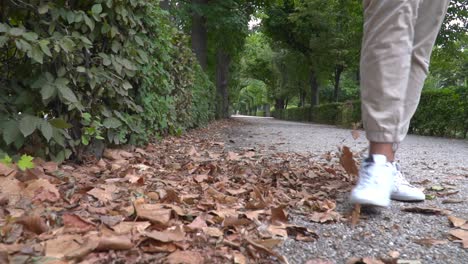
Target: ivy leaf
[[16, 31], [65, 91], [26, 163], [43, 9], [37, 55], [46, 129], [44, 47], [60, 123], [29, 124], [96, 9], [112, 122], [11, 131], [7, 160], [89, 22], [30, 36], [48, 91], [80, 69]]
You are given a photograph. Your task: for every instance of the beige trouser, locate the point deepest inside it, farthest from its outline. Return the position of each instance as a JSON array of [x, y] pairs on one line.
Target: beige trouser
[[398, 39]]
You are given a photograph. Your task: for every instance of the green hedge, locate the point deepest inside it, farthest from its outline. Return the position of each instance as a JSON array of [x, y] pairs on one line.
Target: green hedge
[[441, 112], [76, 73]]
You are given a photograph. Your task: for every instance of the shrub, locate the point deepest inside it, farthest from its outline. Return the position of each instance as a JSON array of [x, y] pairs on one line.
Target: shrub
[[83, 71], [441, 112]]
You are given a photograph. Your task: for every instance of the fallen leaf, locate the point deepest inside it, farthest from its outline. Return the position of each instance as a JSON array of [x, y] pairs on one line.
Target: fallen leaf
[[232, 156], [200, 178], [74, 223], [355, 215], [269, 243], [34, 223], [426, 210], [239, 258], [212, 231], [278, 215], [437, 188], [128, 227], [267, 250], [198, 223], [64, 245], [169, 235], [428, 242], [456, 222], [185, 257], [153, 213], [462, 235], [452, 201], [42, 190], [114, 243], [6, 170], [356, 134], [348, 162], [103, 194]]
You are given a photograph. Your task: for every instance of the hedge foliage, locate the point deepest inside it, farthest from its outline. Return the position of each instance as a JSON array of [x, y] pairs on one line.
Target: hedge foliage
[[77, 72], [441, 112]]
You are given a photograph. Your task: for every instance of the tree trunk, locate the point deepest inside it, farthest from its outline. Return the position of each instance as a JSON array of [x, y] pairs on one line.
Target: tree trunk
[[314, 89], [223, 60], [302, 98], [199, 34], [338, 70], [279, 104]]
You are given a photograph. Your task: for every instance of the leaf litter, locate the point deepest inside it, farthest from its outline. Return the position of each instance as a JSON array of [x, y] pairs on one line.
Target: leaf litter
[[181, 200]]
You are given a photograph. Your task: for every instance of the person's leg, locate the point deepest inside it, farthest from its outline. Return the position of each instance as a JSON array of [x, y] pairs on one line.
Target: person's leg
[[431, 14], [385, 69]]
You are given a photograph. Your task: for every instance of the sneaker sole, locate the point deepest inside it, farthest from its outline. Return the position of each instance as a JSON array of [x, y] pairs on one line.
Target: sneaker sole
[[370, 202]]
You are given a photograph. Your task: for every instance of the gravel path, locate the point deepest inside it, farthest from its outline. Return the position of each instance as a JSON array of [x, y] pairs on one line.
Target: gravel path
[[444, 162]]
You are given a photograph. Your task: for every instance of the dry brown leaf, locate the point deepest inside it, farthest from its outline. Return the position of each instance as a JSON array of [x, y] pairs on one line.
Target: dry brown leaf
[[236, 191], [6, 170], [356, 134], [169, 235], [232, 156], [185, 257], [200, 178], [154, 213], [456, 222], [426, 210], [198, 223], [348, 162], [159, 247], [269, 243], [278, 230], [239, 258], [428, 242], [63, 245], [355, 215], [10, 249], [75, 223], [462, 235], [212, 231], [42, 190], [50, 167], [129, 227], [103, 194], [267, 250], [234, 221], [34, 223], [171, 197], [114, 243], [278, 215]]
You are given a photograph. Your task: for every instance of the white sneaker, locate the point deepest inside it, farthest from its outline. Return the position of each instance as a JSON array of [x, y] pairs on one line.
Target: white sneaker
[[403, 190], [375, 183]]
